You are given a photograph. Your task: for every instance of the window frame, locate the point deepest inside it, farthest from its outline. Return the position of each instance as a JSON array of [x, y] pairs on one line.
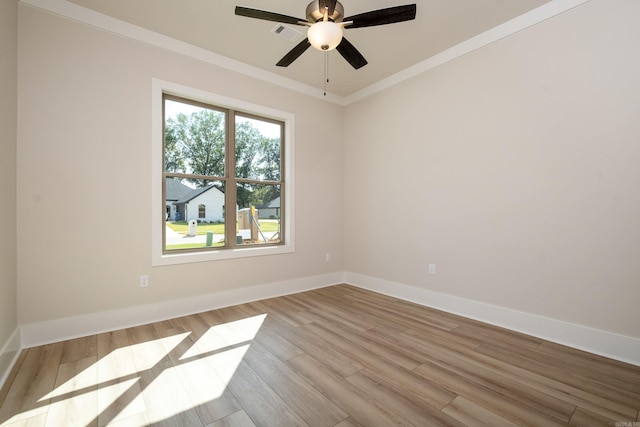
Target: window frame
[[158, 212]]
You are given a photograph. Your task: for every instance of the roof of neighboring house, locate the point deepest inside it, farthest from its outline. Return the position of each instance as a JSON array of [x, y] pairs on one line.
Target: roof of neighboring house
[[176, 190], [275, 203], [195, 192]]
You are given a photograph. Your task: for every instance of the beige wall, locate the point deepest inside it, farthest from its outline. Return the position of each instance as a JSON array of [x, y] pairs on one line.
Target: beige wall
[[84, 174], [514, 169], [8, 138]]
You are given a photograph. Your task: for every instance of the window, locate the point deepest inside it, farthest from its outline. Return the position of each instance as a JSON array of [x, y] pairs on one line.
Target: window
[[225, 183]]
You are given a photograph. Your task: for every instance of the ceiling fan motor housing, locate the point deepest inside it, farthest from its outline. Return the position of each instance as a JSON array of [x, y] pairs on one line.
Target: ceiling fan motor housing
[[315, 13]]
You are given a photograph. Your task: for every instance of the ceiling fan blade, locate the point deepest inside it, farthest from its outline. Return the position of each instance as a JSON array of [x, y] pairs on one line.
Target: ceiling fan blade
[[294, 53], [383, 16], [268, 16], [328, 4], [351, 54]]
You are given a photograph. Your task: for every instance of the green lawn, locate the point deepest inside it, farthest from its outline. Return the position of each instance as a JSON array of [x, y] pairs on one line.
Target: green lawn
[[182, 227], [193, 245]]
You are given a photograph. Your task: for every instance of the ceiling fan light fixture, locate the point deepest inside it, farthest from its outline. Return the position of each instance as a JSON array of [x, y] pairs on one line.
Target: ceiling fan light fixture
[[325, 35]]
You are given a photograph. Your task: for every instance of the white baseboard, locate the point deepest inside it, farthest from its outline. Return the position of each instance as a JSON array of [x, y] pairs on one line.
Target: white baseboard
[[9, 353], [608, 344], [41, 333]]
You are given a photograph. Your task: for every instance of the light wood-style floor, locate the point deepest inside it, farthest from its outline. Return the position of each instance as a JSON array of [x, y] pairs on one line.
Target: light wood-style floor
[[338, 356]]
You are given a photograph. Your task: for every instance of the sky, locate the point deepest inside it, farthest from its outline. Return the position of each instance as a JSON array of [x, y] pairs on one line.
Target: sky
[[270, 130]]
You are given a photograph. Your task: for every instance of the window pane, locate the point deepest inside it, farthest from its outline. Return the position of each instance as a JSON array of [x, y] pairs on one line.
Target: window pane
[[195, 214], [194, 139], [259, 214], [221, 184], [258, 149]]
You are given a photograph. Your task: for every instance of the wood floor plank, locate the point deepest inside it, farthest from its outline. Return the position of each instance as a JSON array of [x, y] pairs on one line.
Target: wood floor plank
[[237, 419], [74, 400], [261, 403], [504, 406], [349, 422], [446, 338], [136, 420], [482, 372], [79, 348], [392, 372], [119, 393], [35, 379], [364, 345], [624, 369], [562, 393], [403, 401], [585, 418], [623, 375], [321, 350], [207, 392], [416, 315], [157, 377], [381, 316], [471, 414], [391, 339], [337, 312], [282, 348], [346, 396], [36, 421], [595, 392], [283, 311], [311, 405], [337, 356], [496, 336], [4, 390]]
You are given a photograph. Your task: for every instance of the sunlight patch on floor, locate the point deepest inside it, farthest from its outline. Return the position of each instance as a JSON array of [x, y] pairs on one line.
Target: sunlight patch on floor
[[118, 364], [225, 335], [146, 382], [110, 395]]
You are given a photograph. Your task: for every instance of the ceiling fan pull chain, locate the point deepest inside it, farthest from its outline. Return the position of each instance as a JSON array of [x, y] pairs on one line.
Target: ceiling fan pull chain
[[326, 71]]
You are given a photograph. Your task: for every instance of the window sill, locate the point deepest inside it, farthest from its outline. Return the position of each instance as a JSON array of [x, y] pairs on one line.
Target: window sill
[[218, 255]]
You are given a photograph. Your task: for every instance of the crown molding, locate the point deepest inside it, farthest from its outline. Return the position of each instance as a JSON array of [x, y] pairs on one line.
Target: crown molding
[[103, 22], [533, 17], [124, 29]]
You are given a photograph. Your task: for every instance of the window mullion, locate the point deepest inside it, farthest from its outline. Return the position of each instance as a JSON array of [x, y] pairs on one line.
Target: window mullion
[[230, 185]]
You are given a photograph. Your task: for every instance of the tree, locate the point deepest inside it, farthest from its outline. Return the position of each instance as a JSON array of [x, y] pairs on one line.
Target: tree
[[173, 159], [195, 144], [257, 158], [270, 168]]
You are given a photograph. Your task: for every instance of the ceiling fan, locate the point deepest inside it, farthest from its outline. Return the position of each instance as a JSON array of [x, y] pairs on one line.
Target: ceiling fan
[[325, 19]]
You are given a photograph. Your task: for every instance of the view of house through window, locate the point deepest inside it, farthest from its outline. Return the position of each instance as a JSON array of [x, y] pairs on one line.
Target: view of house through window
[[223, 177]]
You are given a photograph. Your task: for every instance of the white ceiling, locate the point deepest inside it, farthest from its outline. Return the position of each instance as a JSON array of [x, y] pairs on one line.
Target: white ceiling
[[389, 49]]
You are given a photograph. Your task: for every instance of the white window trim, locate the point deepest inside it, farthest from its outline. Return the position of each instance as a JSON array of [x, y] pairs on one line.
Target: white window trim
[[158, 215]]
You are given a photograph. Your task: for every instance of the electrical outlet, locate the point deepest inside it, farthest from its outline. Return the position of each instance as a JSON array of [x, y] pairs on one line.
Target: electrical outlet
[[432, 269], [144, 280], [327, 256]]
